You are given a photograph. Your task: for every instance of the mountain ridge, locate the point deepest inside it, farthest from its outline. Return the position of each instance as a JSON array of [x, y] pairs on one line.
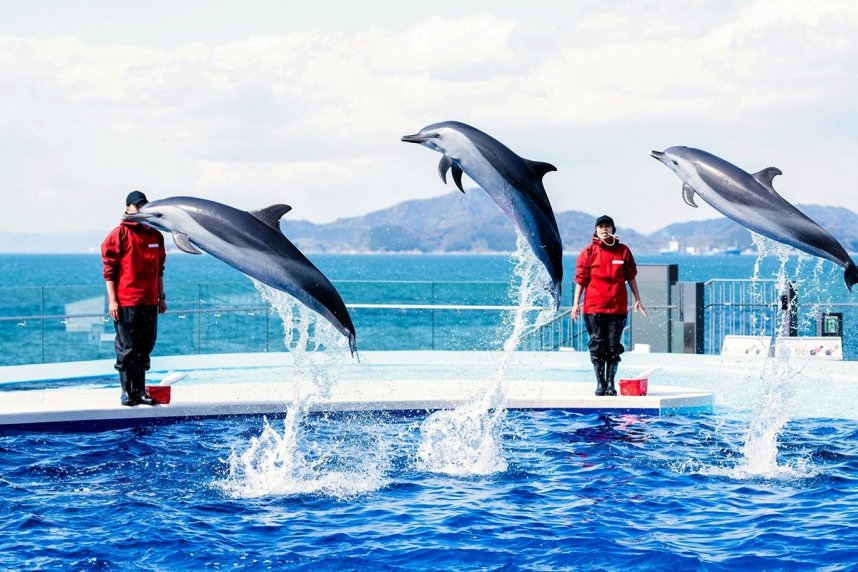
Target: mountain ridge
[[464, 223]]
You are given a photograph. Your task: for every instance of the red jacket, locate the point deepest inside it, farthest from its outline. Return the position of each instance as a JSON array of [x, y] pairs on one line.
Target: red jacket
[[603, 270], [133, 256]]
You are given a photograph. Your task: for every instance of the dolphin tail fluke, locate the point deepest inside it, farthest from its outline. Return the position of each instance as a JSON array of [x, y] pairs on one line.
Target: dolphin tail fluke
[[353, 346], [851, 275]]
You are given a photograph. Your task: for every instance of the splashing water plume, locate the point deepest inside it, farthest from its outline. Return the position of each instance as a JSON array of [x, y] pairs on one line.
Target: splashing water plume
[[308, 337], [289, 463], [466, 440], [292, 462], [777, 380]]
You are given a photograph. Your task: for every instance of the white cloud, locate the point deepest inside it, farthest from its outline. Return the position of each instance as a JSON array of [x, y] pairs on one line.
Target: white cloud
[[318, 113], [437, 44]]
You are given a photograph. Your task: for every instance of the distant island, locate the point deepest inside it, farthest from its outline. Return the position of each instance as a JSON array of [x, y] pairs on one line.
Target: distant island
[[469, 223]]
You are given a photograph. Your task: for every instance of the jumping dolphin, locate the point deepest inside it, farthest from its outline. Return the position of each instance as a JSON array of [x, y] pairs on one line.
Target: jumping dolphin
[[253, 243], [751, 201], [513, 183]]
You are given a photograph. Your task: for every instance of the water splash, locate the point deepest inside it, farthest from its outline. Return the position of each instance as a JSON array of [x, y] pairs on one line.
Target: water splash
[[777, 379], [466, 440], [770, 415], [301, 458], [319, 351], [290, 463]]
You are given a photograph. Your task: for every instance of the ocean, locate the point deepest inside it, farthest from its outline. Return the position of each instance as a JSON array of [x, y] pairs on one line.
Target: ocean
[[71, 284], [17, 270]]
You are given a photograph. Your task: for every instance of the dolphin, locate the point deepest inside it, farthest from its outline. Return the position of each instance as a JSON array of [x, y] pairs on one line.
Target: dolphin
[[513, 183], [751, 201], [253, 243]]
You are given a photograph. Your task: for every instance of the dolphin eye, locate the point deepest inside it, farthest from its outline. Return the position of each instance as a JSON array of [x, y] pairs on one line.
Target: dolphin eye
[[674, 162]]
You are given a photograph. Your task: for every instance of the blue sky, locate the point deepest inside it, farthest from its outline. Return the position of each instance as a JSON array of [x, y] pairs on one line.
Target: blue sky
[[259, 102]]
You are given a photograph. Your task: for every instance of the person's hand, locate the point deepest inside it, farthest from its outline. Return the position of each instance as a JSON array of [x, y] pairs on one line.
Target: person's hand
[[113, 310], [576, 309], [162, 306], [640, 308]]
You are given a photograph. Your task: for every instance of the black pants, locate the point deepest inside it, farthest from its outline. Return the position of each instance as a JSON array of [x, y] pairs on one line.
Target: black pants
[[606, 335], [136, 331]]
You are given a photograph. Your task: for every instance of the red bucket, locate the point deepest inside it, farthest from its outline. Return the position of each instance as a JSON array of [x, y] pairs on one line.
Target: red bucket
[[160, 393], [634, 386]]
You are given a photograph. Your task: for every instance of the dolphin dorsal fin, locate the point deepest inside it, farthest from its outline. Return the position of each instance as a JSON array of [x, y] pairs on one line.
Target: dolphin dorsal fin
[[272, 215], [539, 168], [688, 195], [767, 175], [183, 243], [537, 192]]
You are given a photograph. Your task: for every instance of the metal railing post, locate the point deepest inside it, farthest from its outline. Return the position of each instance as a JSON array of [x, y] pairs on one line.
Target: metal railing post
[[199, 319], [42, 322], [433, 314], [267, 327]]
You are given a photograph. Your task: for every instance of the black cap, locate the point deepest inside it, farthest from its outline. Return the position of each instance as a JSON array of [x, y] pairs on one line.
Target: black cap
[[136, 198], [605, 219]]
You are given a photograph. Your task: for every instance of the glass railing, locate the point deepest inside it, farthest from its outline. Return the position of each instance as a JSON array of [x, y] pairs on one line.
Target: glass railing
[[56, 324], [757, 308]]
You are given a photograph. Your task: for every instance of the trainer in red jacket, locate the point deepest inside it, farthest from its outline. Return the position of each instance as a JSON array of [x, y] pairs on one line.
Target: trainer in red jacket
[[133, 256], [601, 273]]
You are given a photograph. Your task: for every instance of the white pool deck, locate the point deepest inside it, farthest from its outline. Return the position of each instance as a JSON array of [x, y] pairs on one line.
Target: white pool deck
[[227, 385]]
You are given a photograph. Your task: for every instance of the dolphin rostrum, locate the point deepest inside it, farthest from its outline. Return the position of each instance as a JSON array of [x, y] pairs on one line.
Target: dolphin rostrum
[[513, 183], [253, 243], [751, 201]]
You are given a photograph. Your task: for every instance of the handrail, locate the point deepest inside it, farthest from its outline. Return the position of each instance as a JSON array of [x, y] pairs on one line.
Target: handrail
[[250, 286], [563, 312], [734, 280]]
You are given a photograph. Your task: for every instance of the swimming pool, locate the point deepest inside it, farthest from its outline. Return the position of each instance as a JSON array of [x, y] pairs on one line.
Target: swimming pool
[[346, 490]]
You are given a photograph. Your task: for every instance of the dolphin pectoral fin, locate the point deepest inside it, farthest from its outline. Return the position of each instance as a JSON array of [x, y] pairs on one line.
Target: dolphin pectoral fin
[[457, 176], [688, 195], [271, 215], [444, 166], [767, 175], [183, 243]]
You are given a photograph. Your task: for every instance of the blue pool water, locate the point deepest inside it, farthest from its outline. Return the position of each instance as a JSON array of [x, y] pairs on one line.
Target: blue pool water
[[349, 491], [580, 492]]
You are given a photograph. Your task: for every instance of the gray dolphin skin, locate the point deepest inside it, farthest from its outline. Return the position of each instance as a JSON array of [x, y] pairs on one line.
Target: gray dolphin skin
[[253, 243], [513, 183], [751, 201]]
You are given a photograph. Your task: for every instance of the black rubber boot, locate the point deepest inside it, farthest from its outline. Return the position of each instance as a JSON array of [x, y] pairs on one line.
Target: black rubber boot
[[599, 367], [127, 397], [610, 374], [138, 383]]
